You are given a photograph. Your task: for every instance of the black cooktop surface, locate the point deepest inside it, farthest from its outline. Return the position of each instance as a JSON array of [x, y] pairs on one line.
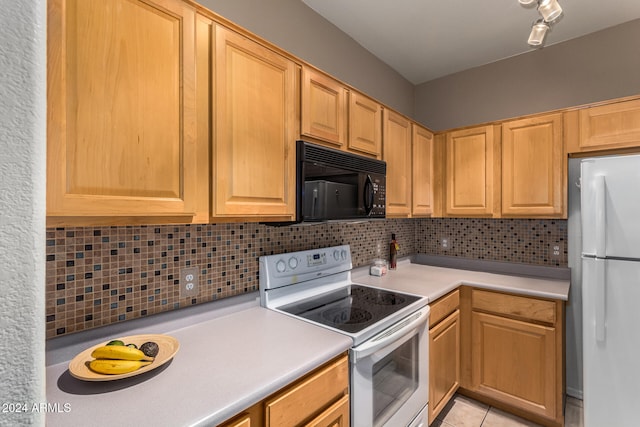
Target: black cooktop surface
[[352, 308]]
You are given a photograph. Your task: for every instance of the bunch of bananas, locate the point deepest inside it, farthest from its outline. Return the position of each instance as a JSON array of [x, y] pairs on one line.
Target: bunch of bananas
[[118, 359]]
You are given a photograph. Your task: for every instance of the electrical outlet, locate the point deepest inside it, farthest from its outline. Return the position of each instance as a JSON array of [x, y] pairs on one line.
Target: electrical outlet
[[188, 282], [445, 243], [556, 249]]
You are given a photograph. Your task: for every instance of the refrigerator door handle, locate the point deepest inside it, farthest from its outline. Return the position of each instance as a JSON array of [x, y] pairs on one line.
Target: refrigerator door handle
[[600, 216], [600, 298]]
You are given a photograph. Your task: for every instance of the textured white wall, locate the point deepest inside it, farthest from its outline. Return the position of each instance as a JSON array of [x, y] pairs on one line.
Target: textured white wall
[[22, 209]]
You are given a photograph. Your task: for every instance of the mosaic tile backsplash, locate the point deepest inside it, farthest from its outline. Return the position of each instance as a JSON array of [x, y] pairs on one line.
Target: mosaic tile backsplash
[[99, 276], [527, 241], [103, 275]]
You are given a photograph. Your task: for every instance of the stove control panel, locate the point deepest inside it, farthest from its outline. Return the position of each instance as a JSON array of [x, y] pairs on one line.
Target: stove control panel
[[319, 258], [285, 269]]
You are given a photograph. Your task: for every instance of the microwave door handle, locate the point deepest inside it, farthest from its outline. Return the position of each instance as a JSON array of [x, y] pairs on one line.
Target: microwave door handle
[[368, 195], [315, 203]]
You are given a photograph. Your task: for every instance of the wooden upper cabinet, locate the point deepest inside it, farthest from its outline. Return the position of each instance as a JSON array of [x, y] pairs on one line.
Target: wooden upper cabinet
[[324, 108], [365, 125], [397, 154], [121, 109], [604, 127], [255, 115], [533, 167], [472, 172], [423, 171]]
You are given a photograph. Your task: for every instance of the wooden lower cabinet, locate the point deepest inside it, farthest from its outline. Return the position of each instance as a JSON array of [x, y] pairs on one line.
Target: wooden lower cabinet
[[444, 352], [514, 356], [319, 399]]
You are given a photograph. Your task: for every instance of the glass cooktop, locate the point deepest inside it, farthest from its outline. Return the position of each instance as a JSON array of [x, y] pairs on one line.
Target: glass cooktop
[[350, 309]]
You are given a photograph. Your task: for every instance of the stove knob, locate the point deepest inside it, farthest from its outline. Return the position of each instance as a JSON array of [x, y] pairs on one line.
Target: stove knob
[[281, 266], [343, 255], [293, 263], [336, 255]]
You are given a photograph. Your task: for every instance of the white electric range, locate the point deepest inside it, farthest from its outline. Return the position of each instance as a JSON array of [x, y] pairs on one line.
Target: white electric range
[[389, 360]]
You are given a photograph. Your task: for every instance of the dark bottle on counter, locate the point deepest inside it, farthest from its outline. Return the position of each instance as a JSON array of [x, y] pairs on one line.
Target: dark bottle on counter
[[393, 252]]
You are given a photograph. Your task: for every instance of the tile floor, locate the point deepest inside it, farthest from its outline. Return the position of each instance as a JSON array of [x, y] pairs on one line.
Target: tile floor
[[464, 412]]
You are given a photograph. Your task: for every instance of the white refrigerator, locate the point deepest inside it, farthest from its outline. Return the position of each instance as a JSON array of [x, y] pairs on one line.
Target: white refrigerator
[[610, 207]]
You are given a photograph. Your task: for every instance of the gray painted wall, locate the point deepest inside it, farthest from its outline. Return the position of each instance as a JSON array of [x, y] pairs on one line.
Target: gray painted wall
[[22, 209], [296, 28], [596, 67]]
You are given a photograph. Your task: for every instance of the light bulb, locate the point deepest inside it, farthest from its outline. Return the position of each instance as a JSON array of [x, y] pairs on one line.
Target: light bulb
[[538, 32], [549, 9]]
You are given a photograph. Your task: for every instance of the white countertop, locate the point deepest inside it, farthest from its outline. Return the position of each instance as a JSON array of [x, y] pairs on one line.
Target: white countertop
[[224, 365], [434, 282], [233, 355]]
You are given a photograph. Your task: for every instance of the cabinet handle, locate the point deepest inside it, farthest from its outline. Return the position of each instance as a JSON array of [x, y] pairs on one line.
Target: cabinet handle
[[601, 216]]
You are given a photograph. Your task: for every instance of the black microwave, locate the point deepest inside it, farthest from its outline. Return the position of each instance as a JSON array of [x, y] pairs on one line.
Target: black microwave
[[336, 185]]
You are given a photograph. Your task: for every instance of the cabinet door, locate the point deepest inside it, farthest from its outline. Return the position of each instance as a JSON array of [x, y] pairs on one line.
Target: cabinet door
[[515, 362], [606, 127], [204, 51], [444, 363], [397, 154], [423, 179], [337, 415], [121, 108], [472, 172], [255, 130], [365, 125], [324, 108], [533, 167]]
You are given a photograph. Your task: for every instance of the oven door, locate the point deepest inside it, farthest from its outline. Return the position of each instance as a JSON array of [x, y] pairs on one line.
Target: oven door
[[390, 374]]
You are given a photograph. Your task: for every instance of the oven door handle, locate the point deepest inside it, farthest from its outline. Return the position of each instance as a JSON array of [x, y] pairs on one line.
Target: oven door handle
[[394, 333]]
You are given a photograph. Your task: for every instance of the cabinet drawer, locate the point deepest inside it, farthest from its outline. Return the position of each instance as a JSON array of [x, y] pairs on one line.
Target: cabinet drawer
[[513, 305], [444, 306], [337, 415], [309, 397], [243, 420]]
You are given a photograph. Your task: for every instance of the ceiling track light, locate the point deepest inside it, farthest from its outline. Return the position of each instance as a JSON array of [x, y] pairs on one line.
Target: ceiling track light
[[550, 11], [538, 32]]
